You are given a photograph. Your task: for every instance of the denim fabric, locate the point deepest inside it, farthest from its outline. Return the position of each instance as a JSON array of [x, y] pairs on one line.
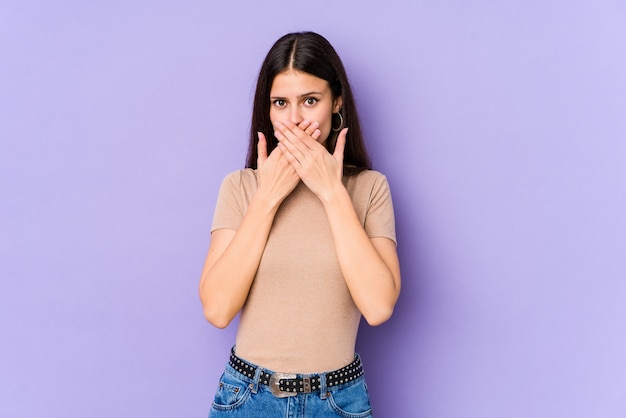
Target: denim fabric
[[241, 397]]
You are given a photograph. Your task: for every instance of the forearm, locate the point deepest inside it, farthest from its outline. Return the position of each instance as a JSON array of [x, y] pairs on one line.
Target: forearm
[[231, 266], [373, 279]]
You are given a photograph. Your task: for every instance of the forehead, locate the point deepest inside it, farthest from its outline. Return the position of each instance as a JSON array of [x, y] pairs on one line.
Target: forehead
[[293, 82]]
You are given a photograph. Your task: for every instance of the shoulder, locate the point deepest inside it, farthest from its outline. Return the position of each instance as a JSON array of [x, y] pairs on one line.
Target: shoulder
[[366, 179], [245, 178], [236, 191]]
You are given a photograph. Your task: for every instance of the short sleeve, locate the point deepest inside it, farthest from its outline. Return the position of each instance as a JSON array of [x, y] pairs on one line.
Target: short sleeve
[[380, 219], [229, 211]]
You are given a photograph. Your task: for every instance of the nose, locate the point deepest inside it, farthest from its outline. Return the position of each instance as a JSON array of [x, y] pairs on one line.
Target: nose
[[295, 115]]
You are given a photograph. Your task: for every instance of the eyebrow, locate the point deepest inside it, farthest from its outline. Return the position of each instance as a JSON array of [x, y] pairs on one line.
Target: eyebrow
[[311, 93]]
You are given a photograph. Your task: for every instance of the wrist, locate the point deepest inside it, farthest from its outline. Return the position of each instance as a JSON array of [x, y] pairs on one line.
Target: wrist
[[265, 202], [335, 194]]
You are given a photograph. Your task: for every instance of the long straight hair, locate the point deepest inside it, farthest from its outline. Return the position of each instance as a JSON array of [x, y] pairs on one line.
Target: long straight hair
[[310, 53]]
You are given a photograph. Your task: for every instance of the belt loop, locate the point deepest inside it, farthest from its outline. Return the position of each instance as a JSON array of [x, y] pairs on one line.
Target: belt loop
[[257, 376], [322, 386]]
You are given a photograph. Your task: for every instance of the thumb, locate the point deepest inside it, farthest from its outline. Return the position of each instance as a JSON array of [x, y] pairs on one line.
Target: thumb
[[340, 145], [261, 150]]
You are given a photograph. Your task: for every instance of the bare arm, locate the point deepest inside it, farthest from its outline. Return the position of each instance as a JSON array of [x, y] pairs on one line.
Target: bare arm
[[232, 261], [234, 256], [370, 266]]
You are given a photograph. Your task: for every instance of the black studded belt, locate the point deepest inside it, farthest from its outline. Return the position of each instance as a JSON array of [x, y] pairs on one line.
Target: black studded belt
[[286, 384]]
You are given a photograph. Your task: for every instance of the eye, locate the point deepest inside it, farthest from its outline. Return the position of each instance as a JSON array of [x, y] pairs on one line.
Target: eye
[[310, 101], [280, 103]]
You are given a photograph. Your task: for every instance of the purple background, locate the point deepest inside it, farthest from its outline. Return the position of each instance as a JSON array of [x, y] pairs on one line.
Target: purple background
[[501, 127]]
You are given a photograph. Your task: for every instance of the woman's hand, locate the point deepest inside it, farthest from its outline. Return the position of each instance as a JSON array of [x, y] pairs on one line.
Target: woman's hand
[[277, 177], [318, 169]]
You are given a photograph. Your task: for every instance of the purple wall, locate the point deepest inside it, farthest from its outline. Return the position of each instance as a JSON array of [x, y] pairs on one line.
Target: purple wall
[[501, 127]]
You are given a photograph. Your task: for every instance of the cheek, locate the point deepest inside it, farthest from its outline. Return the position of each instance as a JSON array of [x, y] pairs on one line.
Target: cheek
[[324, 119], [273, 116], [276, 117], [325, 129]]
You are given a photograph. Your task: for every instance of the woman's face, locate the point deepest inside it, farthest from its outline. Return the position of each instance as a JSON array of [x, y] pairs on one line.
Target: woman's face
[[297, 96]]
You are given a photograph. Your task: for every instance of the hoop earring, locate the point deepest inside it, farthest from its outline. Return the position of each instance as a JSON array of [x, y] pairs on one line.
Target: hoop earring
[[340, 123]]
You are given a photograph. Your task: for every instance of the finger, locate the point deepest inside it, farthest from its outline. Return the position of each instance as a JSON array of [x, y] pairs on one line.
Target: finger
[[304, 125], [261, 149], [311, 128], [280, 133], [290, 146], [284, 130], [287, 133], [293, 133], [289, 129], [288, 155], [340, 145]]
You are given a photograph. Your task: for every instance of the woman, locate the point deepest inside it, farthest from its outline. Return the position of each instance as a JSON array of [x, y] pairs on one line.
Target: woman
[[302, 244]]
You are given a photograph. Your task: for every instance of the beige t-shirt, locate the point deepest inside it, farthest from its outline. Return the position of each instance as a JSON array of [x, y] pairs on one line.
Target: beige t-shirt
[[299, 316]]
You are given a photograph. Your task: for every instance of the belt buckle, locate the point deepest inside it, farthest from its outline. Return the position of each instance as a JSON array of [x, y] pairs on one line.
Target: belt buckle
[[275, 385]]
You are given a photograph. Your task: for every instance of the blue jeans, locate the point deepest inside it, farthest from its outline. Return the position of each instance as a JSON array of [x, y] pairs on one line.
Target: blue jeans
[[239, 396]]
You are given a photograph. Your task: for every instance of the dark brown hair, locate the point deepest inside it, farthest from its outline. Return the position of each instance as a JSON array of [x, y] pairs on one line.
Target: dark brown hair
[[313, 54]]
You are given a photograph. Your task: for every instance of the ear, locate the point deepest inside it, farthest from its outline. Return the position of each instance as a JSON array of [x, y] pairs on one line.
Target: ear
[[337, 103]]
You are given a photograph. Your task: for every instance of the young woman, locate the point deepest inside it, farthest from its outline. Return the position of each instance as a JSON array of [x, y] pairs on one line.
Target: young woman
[[302, 244]]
